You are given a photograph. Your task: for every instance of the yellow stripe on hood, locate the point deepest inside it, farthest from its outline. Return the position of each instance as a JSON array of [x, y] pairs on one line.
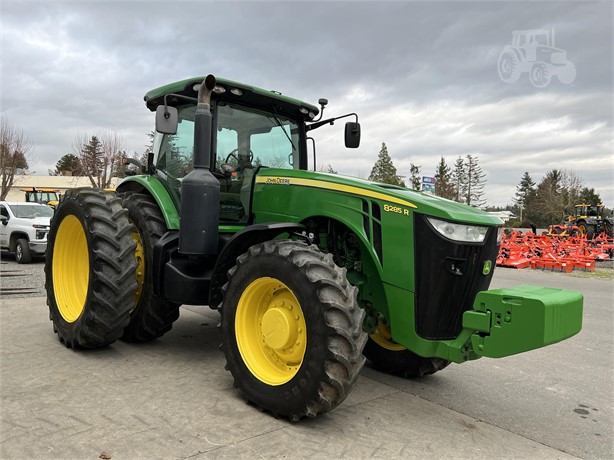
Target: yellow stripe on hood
[[276, 180]]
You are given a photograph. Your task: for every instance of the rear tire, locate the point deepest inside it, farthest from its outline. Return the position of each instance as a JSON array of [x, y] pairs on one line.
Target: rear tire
[[292, 329], [90, 269], [395, 359], [508, 67], [152, 316], [22, 252]]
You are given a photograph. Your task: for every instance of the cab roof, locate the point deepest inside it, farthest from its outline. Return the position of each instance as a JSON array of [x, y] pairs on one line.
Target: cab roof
[[251, 95]]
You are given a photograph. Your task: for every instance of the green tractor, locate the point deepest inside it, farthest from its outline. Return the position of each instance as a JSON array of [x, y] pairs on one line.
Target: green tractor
[[311, 272]]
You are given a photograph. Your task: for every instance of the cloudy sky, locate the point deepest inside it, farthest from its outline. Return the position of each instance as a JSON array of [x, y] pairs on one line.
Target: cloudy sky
[[422, 76]]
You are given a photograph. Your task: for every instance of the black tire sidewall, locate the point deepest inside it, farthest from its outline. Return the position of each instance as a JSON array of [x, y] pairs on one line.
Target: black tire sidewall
[[150, 307], [22, 248], [403, 363], [139, 220], [287, 398], [69, 207], [111, 280]]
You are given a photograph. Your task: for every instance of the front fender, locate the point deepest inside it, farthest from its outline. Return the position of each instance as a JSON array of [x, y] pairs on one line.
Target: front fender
[[240, 243]]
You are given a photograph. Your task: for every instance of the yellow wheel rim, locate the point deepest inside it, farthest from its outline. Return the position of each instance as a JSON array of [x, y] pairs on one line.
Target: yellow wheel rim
[[139, 255], [71, 268], [271, 331], [383, 337]]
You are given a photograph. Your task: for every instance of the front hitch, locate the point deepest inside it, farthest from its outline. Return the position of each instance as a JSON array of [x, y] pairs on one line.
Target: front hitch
[[507, 321]]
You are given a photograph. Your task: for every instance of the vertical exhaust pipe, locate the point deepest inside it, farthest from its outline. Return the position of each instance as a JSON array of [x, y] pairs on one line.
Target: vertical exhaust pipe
[[200, 190]]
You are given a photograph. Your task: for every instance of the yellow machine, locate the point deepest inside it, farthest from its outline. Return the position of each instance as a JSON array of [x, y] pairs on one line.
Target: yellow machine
[[48, 196]]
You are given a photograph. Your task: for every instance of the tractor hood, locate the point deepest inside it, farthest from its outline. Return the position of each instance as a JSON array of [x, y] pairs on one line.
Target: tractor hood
[[417, 201]]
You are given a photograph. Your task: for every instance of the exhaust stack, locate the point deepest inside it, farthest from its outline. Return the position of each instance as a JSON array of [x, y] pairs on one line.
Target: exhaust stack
[[200, 190]]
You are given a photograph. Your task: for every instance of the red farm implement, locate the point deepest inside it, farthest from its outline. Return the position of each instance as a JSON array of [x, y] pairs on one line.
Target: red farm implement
[[556, 253]]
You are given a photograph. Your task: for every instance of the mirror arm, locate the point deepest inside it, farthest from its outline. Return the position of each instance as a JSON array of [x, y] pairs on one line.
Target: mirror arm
[[329, 121], [136, 163]]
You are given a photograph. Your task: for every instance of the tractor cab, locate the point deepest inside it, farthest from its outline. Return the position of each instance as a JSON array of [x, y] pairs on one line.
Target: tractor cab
[[584, 211], [252, 128], [246, 138], [522, 38], [46, 196]]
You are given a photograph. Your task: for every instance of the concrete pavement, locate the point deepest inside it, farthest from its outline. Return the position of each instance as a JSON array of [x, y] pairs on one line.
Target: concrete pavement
[[172, 398]]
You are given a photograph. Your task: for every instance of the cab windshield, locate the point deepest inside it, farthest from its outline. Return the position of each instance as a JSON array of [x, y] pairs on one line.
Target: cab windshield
[[245, 139]]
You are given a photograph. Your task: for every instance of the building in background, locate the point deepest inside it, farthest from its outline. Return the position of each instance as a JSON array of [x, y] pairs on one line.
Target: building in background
[[59, 183]]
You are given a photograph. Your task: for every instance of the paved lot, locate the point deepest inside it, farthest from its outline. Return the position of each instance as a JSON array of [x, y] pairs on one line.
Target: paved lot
[[171, 398]]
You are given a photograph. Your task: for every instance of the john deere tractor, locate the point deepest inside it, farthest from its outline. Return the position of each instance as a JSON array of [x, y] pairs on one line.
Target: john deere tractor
[[311, 272]]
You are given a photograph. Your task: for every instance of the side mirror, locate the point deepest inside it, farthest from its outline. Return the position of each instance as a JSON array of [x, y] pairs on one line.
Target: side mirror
[[4, 220], [352, 134], [167, 119]]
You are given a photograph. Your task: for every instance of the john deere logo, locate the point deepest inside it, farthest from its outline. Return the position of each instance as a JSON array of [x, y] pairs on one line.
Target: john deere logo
[[487, 267]]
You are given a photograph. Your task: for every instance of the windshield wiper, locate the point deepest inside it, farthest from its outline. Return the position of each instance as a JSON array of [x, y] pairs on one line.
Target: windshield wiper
[[275, 117]]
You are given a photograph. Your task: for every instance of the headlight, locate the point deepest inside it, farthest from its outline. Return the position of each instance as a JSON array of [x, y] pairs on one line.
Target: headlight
[[459, 232], [41, 231]]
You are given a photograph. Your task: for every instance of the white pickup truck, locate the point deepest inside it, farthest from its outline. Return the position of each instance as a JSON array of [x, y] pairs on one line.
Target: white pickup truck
[[24, 228]]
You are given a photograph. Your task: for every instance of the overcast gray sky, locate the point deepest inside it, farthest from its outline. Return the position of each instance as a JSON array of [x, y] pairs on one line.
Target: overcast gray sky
[[421, 75]]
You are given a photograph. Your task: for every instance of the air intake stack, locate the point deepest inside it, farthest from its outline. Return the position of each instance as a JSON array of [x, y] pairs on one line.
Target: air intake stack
[[200, 190]]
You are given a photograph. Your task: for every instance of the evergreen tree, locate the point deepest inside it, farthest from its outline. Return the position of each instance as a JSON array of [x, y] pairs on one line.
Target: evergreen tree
[[68, 163], [589, 196], [474, 183], [119, 168], [383, 170], [459, 180], [99, 156], [91, 160], [443, 181], [415, 181], [149, 148], [523, 190]]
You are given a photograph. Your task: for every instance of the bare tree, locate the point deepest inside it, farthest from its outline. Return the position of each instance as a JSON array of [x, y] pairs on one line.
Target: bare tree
[[571, 188], [14, 150], [99, 156]]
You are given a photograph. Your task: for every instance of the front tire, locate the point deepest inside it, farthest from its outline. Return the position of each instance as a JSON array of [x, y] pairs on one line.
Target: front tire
[[395, 359], [292, 329], [540, 75], [22, 252], [152, 316], [90, 269]]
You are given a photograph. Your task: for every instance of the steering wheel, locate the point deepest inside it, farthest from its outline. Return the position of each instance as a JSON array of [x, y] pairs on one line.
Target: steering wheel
[[232, 155], [227, 169]]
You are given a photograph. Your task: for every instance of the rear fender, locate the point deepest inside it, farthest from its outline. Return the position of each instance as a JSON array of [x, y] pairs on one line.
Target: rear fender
[[154, 187]]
